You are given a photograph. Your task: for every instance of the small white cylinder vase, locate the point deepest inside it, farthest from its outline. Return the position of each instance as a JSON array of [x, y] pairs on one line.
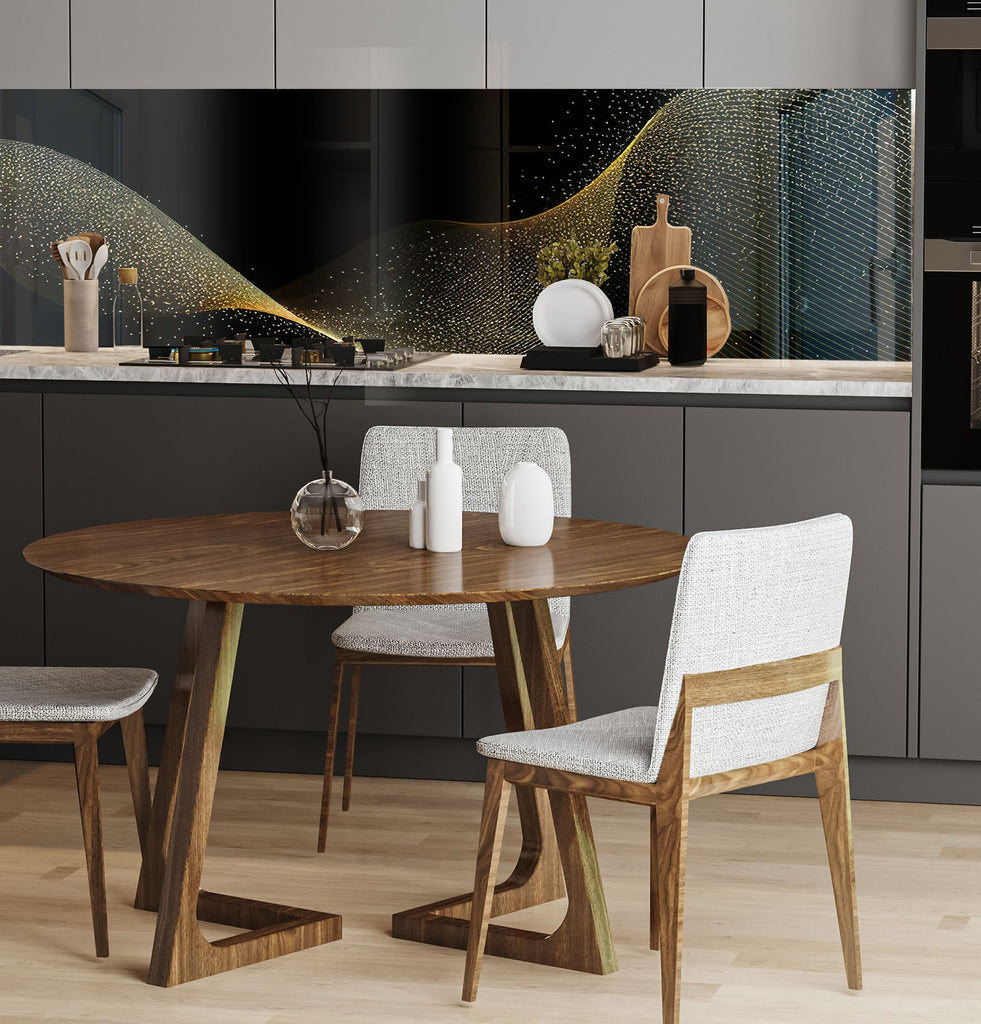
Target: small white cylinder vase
[[81, 316], [444, 497], [417, 518], [526, 513]]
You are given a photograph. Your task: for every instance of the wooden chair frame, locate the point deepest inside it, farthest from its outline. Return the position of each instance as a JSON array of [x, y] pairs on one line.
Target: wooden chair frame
[[669, 798], [84, 737], [343, 658]]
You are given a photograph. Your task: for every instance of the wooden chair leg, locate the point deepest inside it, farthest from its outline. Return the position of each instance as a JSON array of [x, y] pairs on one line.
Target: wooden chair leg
[[497, 792], [655, 917], [352, 728], [570, 684], [335, 708], [836, 814], [134, 744], [87, 778], [671, 840]]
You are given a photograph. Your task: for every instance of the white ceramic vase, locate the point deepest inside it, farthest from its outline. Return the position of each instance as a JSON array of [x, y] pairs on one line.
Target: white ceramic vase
[[526, 512], [444, 497]]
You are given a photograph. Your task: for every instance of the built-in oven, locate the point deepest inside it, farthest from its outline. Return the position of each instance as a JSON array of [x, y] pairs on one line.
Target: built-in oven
[[951, 305]]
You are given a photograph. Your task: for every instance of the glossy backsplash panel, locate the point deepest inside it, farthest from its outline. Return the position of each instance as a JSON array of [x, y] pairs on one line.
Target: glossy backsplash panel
[[418, 215]]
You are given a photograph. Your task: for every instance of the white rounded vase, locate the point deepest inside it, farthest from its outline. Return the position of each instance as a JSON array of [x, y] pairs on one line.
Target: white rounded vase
[[526, 512]]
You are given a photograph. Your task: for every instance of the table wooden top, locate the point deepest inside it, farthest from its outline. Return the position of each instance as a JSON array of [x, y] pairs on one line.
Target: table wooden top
[[255, 558]]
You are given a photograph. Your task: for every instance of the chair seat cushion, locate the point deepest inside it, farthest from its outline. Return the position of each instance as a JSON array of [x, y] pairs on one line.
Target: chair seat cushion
[[50, 694], [614, 746], [453, 631]]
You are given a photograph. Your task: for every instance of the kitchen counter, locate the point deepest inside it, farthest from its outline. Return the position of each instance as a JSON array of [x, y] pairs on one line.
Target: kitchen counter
[[831, 378]]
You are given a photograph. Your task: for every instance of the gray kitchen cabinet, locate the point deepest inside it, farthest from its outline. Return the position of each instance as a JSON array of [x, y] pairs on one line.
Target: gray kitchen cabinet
[[626, 466], [797, 44], [758, 467], [111, 458], [21, 521], [581, 44], [380, 44], [181, 44], [34, 44], [950, 610]]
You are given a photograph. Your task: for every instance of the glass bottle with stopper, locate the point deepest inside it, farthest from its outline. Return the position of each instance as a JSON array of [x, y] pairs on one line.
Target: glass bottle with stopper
[[127, 310]]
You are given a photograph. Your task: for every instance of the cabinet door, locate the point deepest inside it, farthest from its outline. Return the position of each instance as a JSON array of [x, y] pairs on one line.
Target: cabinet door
[[180, 44], [34, 44], [799, 44], [380, 44], [581, 44], [114, 458], [626, 466], [759, 467], [950, 610], [21, 521]]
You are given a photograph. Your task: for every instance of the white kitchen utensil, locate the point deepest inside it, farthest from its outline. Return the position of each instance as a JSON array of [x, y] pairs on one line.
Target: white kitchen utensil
[[98, 261], [66, 259], [571, 313], [79, 256]]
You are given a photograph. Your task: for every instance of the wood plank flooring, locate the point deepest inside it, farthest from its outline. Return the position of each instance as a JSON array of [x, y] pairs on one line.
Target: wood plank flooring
[[757, 873]]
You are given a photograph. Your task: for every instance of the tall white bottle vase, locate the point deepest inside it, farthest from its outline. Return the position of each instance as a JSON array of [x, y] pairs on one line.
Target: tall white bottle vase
[[444, 497], [526, 513], [417, 519]]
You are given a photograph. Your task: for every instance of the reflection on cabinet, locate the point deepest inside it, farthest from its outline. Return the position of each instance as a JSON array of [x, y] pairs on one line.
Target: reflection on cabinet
[[950, 610], [180, 44], [112, 458], [626, 466], [21, 585], [380, 44], [581, 44], [34, 44], [796, 44], [757, 467]]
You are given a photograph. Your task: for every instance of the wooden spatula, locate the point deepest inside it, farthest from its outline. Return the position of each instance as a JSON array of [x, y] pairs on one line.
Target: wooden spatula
[[655, 247]]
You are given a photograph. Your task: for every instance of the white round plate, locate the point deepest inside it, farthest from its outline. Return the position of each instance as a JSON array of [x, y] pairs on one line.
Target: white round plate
[[571, 313]]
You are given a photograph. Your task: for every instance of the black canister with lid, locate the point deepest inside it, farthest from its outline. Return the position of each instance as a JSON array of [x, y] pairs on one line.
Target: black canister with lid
[[687, 320]]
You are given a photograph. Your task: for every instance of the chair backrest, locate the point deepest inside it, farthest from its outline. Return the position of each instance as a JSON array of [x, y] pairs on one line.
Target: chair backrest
[[394, 458], [746, 597]]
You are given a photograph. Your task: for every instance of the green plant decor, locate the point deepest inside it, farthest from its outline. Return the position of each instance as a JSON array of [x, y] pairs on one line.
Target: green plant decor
[[568, 258]]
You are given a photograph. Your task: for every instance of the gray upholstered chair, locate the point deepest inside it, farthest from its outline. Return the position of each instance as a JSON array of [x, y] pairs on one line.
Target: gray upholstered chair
[[78, 705], [751, 692], [392, 461]]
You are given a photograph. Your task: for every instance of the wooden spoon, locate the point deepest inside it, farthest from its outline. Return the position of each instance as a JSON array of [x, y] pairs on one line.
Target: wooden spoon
[[65, 273]]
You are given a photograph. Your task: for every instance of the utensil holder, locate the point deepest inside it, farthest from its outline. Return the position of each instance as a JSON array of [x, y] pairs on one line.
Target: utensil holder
[[81, 316]]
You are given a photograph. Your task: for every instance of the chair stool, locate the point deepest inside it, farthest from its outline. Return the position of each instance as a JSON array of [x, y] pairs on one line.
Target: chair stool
[[392, 461], [77, 706]]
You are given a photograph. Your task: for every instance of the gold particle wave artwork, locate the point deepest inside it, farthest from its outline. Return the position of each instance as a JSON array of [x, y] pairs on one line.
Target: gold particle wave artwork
[[443, 285]]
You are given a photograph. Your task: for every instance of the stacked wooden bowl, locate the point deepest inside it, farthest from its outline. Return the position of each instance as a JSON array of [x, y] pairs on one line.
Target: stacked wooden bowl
[[657, 254]]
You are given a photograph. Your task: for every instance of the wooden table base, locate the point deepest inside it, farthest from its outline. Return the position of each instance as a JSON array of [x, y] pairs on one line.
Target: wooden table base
[[180, 818], [557, 839]]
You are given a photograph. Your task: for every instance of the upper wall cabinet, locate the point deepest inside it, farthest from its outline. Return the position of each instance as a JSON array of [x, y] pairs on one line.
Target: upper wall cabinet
[[34, 44], [178, 44], [802, 44], [380, 44], [582, 44]]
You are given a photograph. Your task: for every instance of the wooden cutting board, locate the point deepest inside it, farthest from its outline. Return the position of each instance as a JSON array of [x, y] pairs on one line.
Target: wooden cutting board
[[652, 304], [654, 247]]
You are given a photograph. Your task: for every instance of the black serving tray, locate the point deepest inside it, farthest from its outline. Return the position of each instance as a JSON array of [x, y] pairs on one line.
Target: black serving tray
[[553, 357]]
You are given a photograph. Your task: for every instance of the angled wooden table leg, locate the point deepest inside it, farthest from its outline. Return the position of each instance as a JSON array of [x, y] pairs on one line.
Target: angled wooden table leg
[[182, 814], [533, 696]]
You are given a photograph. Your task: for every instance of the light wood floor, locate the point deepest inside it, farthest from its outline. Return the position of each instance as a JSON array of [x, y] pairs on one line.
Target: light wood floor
[[757, 877]]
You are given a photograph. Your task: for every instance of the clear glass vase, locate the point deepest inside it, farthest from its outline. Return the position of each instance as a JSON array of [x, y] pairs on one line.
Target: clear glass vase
[[327, 514]]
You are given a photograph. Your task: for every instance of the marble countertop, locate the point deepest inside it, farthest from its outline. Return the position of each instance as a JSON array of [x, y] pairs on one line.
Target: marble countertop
[[834, 378]]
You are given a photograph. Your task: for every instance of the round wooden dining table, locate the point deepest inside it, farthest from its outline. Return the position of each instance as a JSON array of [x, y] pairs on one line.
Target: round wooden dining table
[[221, 563]]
